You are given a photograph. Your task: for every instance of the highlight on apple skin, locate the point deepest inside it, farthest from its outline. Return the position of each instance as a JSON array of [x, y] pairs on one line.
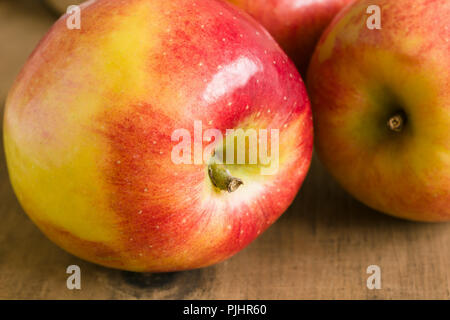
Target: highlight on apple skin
[[381, 105], [88, 132], [296, 24]]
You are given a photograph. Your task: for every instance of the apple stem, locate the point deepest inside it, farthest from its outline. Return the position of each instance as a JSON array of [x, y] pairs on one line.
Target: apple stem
[[396, 122], [222, 179]]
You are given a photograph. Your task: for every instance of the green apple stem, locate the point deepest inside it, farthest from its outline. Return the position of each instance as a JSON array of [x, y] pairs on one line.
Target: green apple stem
[[221, 177], [396, 122]]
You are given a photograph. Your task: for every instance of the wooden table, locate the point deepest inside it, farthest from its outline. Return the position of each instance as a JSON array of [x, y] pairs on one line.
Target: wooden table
[[319, 249]]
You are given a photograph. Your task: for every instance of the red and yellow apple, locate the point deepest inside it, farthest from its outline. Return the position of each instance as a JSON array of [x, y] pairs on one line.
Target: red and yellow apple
[[381, 105], [295, 24], [89, 123]]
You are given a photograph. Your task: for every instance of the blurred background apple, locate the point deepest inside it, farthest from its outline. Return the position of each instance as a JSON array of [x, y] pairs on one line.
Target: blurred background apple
[[295, 24], [381, 106]]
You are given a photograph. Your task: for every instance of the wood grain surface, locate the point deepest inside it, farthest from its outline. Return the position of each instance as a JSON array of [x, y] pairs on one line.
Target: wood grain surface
[[319, 249]]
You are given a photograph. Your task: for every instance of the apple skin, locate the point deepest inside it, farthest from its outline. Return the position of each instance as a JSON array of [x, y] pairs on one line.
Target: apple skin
[[295, 24], [88, 125], [359, 78]]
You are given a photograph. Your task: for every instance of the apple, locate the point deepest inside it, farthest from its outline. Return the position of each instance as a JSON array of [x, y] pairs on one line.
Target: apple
[[381, 105], [100, 121], [295, 24]]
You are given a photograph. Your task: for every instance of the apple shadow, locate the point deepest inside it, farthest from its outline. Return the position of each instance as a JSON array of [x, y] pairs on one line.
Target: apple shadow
[[322, 207]]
